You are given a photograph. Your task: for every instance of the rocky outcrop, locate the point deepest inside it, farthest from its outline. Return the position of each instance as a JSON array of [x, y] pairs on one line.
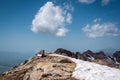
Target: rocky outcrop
[[89, 55], [100, 55], [42, 68], [64, 52], [41, 54], [100, 58], [116, 56], [78, 55]]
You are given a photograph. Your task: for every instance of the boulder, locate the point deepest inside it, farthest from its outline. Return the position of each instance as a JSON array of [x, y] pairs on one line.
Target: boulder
[[89, 55], [41, 54], [116, 56], [78, 55], [64, 52]]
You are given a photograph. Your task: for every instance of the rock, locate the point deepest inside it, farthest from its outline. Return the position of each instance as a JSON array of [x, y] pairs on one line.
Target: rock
[[116, 56], [109, 62], [64, 52], [78, 55], [100, 55], [89, 55], [99, 58], [41, 54]]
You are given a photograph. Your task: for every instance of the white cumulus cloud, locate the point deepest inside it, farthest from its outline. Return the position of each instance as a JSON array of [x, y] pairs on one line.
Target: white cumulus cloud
[[51, 19], [101, 30], [86, 1]]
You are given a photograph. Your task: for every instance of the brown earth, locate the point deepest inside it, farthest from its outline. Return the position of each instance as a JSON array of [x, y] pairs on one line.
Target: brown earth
[[47, 68]]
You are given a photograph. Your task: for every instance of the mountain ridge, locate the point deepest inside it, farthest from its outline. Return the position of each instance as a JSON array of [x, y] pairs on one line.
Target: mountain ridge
[[63, 64]]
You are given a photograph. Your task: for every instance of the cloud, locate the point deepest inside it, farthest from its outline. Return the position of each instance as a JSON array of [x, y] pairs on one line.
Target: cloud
[[51, 20], [86, 1], [68, 7], [101, 30], [105, 2]]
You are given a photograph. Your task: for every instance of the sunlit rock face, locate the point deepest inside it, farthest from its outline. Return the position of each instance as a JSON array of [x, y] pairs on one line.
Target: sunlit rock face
[[41, 68]]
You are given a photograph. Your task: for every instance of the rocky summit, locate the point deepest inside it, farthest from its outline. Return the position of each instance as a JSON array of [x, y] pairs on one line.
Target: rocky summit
[[45, 66], [41, 67]]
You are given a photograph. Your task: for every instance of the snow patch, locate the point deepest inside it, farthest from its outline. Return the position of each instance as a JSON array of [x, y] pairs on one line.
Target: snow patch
[[91, 71]]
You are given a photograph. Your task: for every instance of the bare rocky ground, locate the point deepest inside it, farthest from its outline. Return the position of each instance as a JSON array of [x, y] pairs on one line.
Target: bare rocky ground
[[37, 68]]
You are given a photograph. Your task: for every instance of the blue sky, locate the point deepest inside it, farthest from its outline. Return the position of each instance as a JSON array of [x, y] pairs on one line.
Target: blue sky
[[77, 25]]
